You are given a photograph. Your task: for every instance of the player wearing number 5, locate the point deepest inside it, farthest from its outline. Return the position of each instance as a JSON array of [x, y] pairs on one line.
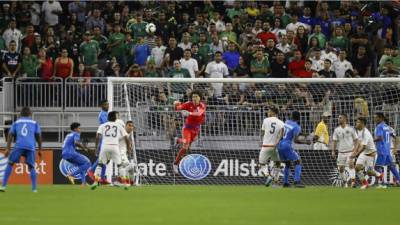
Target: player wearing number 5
[[195, 112], [26, 133]]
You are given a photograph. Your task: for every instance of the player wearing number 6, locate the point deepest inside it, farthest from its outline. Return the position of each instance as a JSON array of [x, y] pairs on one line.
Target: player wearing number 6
[[195, 112], [26, 133], [110, 133]]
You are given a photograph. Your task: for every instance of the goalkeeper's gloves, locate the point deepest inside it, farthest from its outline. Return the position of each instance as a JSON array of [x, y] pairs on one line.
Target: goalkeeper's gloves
[[185, 113]]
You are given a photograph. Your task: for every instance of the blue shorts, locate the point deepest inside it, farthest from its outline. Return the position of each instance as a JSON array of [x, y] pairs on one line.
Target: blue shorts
[[384, 160], [287, 153], [18, 152], [76, 158]]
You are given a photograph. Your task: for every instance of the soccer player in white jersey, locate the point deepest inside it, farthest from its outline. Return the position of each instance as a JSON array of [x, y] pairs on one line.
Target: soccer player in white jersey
[[344, 141], [366, 153], [110, 133], [272, 129], [127, 168]]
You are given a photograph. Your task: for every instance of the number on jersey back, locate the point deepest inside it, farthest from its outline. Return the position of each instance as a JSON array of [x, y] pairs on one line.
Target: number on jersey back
[[111, 132], [272, 126]]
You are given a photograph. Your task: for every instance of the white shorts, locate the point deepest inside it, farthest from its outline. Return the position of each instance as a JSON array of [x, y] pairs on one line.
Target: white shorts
[[365, 160], [110, 152], [320, 146], [268, 153], [124, 159], [343, 159]]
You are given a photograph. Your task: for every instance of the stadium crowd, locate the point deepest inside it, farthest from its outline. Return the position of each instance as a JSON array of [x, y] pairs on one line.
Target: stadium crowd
[[229, 39]]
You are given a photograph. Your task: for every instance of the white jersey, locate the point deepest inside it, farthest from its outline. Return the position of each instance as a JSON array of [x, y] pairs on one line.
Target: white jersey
[[366, 139], [345, 138], [271, 127], [111, 132]]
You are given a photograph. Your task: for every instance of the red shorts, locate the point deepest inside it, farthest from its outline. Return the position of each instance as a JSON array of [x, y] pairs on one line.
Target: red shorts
[[189, 135]]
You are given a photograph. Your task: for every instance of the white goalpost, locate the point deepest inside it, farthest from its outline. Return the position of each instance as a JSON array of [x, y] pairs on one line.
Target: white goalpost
[[226, 151]]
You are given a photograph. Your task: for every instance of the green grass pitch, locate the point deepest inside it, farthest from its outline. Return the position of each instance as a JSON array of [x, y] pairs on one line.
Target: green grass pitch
[[198, 205]]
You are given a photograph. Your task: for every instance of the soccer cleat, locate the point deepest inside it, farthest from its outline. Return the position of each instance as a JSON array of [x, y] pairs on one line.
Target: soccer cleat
[[71, 179], [286, 185], [298, 184], [381, 186], [94, 185], [91, 175], [268, 181], [365, 185], [175, 169], [104, 182], [34, 191], [2, 189]]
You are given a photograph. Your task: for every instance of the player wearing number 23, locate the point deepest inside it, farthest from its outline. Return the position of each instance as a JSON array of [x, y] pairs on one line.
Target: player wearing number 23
[[26, 133]]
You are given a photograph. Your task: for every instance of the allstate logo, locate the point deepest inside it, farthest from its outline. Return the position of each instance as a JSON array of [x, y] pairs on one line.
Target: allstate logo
[[195, 166], [3, 165], [68, 168]]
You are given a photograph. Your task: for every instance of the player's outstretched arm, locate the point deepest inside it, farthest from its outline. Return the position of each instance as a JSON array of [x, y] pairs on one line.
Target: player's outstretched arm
[[128, 144], [334, 149], [298, 141], [39, 141]]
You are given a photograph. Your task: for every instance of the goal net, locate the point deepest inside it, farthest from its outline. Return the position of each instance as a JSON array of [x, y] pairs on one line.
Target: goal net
[[227, 148]]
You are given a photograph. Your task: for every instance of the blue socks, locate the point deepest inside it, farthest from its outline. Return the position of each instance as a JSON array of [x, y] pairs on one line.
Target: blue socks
[[395, 172], [7, 174], [297, 172], [33, 178], [286, 174]]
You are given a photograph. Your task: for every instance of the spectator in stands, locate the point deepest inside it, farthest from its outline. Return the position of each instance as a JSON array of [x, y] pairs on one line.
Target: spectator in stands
[[296, 65], [338, 40], [79, 9], [89, 51], [29, 38], [279, 67], [216, 45], [178, 71], [320, 36], [312, 44], [138, 29], [341, 66], [158, 52], [271, 50], [327, 72], [229, 34], [141, 51], [11, 61], [317, 61], [306, 72], [35, 14], [13, 34], [116, 45], [63, 65], [201, 63], [361, 63], [151, 70], [277, 28], [37, 44], [295, 24], [134, 71], [260, 66], [231, 57], [283, 45], [306, 18], [266, 34], [217, 69], [385, 56], [190, 64], [95, 20], [82, 71], [52, 10], [395, 56], [185, 44], [358, 39], [46, 65], [301, 39], [29, 64], [116, 70], [390, 70], [172, 53]]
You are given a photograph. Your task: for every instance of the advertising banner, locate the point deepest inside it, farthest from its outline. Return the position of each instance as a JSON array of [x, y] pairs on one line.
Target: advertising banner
[[20, 174]]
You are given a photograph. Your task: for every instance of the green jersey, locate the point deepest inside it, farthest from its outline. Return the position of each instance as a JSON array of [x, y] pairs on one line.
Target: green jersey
[[119, 49], [29, 65], [89, 51], [264, 64]]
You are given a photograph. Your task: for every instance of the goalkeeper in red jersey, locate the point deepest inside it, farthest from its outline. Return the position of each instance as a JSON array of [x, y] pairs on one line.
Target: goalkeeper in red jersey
[[195, 113]]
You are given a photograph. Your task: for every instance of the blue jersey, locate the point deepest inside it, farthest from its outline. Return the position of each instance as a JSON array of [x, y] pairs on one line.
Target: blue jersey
[[69, 143], [291, 130], [384, 131], [103, 117], [25, 130]]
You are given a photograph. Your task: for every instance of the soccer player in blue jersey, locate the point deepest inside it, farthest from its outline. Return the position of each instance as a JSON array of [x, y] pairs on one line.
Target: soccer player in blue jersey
[[69, 153], [103, 115], [26, 133], [383, 140], [287, 154]]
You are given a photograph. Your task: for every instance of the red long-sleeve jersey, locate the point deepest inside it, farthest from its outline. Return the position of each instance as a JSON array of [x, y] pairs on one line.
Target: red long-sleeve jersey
[[197, 114]]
